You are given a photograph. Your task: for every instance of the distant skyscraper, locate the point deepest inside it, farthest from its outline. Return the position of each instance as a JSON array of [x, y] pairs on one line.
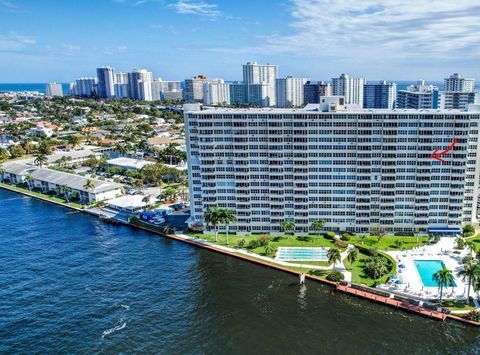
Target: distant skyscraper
[[216, 92], [121, 91], [86, 87], [194, 88], [418, 97], [53, 89], [265, 74], [381, 95], [145, 91], [312, 91], [121, 78], [106, 82], [136, 77], [71, 89], [290, 91], [238, 93], [160, 88], [449, 100], [458, 84], [350, 88]]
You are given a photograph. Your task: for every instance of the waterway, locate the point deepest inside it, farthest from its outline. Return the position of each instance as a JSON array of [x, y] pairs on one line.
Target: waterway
[[70, 283]]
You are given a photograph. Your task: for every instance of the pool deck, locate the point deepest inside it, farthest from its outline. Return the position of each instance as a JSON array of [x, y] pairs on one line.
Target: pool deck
[[411, 280]]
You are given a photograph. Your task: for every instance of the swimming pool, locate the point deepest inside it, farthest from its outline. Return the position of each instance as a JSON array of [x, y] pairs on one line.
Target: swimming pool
[[302, 254], [426, 269]]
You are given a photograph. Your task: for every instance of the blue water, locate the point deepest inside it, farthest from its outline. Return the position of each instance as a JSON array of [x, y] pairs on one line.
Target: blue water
[[70, 283], [40, 87], [302, 254], [426, 270]]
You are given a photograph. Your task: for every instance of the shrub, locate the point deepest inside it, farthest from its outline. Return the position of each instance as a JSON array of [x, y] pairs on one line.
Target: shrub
[[345, 237], [304, 238], [254, 244], [468, 230], [264, 240], [241, 243], [341, 244], [335, 276], [330, 235], [473, 315], [278, 238]]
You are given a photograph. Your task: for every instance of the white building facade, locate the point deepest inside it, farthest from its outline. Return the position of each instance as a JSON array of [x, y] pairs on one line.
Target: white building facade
[[53, 89], [216, 92], [255, 74], [350, 88], [356, 170], [290, 91]]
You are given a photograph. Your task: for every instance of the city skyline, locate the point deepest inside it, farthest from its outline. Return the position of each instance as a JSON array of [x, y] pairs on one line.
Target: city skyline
[[180, 39]]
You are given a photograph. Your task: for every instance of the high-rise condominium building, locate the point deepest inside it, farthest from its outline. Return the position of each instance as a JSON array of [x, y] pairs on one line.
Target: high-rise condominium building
[[418, 97], [312, 91], [355, 169], [86, 87], [53, 89], [350, 88], [290, 91], [455, 83], [264, 74], [238, 93], [194, 88], [216, 92], [137, 90], [380, 95], [162, 88], [106, 82]]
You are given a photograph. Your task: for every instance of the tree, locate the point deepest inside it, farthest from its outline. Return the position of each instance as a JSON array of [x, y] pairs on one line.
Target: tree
[[362, 238], [333, 256], [471, 245], [398, 243], [470, 272], [416, 233], [460, 242], [468, 230], [89, 185], [317, 225], [29, 181], [74, 140], [40, 159], [444, 278], [146, 199], [213, 218], [287, 226], [376, 266], [17, 151], [378, 232], [3, 155], [352, 256], [227, 217], [241, 243], [170, 193]]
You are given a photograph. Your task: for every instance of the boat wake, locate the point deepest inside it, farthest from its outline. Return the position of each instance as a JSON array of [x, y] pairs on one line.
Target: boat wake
[[122, 324]]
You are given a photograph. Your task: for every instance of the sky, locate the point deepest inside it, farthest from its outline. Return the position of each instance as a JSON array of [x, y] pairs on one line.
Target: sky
[[61, 40]]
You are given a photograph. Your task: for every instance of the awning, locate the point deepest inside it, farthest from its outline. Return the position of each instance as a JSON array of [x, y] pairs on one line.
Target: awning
[[444, 230]]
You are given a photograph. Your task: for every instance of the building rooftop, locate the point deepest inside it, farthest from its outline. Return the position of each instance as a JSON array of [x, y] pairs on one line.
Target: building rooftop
[[129, 163], [128, 202]]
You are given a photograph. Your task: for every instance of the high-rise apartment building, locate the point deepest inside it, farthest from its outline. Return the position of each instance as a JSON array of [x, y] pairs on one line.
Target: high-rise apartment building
[[53, 89], [312, 91], [264, 74], [356, 169], [455, 83], [419, 97], [216, 92], [140, 91], [350, 88], [86, 87], [194, 88], [290, 91], [238, 93], [106, 82], [169, 88], [380, 95]]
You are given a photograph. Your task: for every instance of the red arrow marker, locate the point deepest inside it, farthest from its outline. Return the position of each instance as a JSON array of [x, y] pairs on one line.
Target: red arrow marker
[[435, 155]]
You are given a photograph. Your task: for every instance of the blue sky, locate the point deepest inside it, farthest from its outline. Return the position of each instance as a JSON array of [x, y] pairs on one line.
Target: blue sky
[[60, 40]]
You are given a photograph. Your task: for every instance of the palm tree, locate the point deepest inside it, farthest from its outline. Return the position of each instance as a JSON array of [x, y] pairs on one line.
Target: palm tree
[[227, 217], [471, 245], [89, 185], [40, 159], [471, 271], [460, 242], [333, 256], [362, 238], [213, 218], [287, 226], [352, 256], [398, 243], [317, 225], [444, 278], [29, 181], [377, 265], [416, 233], [146, 200]]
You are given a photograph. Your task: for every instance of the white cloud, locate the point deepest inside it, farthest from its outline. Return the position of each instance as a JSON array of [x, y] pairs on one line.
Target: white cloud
[[9, 6], [13, 42], [114, 50], [196, 8], [390, 27]]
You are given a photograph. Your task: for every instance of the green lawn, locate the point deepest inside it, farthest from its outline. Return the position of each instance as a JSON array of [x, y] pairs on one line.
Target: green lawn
[[388, 242], [357, 270], [457, 305], [42, 195]]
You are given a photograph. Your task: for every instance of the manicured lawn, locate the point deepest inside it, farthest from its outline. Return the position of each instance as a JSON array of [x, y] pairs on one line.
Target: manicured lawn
[[42, 195], [388, 242], [457, 305]]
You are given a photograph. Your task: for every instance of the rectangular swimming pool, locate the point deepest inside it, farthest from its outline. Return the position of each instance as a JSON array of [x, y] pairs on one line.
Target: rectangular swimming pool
[[426, 269], [301, 254]]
